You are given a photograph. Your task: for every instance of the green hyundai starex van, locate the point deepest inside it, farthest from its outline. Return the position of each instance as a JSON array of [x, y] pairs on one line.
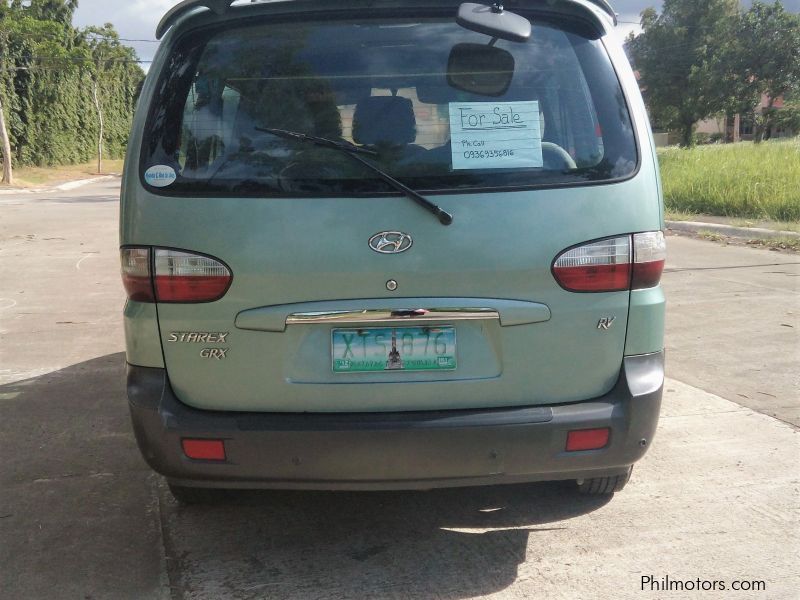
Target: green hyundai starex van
[[392, 244]]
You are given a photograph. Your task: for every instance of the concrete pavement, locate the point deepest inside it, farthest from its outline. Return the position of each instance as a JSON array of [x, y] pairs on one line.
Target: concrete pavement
[[79, 507], [733, 324], [81, 516]]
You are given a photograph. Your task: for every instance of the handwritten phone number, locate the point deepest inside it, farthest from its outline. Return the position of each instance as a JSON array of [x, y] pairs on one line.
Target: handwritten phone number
[[488, 154]]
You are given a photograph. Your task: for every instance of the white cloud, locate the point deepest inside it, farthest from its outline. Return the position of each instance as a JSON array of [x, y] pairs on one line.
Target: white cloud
[[135, 19]]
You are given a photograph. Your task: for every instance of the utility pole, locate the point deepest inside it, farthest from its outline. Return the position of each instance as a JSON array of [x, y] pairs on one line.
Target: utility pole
[[100, 119], [8, 174]]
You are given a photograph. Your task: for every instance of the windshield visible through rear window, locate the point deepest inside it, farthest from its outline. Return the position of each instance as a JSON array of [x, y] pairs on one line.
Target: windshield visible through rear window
[[381, 85]]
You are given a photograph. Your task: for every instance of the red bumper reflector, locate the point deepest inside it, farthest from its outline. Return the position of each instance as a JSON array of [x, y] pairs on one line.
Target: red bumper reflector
[[587, 439], [204, 449]]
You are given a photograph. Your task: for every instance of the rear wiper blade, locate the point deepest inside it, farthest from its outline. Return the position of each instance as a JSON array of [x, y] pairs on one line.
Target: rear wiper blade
[[314, 139], [445, 218]]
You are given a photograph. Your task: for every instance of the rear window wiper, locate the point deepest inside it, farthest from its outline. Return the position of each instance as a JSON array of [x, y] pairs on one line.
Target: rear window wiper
[[353, 151]]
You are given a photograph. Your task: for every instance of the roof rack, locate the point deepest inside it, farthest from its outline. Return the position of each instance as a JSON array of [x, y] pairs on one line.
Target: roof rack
[[220, 7]]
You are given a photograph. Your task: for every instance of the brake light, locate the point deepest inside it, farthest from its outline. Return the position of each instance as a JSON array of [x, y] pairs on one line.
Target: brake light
[[602, 266], [613, 264], [179, 276], [136, 274], [187, 277], [649, 256]]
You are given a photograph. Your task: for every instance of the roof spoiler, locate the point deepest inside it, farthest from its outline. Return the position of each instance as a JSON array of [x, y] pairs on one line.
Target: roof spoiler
[[607, 8], [220, 7]]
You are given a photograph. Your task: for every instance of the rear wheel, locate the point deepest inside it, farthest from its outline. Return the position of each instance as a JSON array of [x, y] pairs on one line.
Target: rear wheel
[[190, 495], [602, 486]]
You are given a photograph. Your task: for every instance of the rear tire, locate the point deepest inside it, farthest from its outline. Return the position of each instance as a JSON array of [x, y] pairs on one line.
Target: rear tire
[[604, 486], [188, 496]]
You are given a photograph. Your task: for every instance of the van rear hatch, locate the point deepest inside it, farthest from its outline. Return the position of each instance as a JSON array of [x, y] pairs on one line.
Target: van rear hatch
[[345, 295]]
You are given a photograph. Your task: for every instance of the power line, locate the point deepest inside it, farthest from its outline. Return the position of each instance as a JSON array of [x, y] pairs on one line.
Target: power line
[[77, 35], [102, 37], [87, 59], [73, 59]]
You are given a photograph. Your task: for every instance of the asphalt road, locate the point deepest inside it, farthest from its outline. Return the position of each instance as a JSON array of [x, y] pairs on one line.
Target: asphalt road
[[81, 516]]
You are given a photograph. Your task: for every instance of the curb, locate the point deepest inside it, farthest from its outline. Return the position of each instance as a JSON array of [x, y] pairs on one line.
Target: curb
[[10, 191], [73, 185], [749, 233], [64, 187]]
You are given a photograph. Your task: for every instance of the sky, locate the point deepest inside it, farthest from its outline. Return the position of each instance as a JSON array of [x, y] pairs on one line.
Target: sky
[[137, 19]]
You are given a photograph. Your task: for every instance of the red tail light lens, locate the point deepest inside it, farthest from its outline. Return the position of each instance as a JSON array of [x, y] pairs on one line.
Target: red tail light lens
[[649, 256], [187, 277], [613, 264], [136, 273], [178, 277], [602, 266]]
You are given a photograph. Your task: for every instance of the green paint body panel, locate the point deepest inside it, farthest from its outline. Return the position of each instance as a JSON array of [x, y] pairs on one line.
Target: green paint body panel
[[646, 322], [142, 338], [286, 251]]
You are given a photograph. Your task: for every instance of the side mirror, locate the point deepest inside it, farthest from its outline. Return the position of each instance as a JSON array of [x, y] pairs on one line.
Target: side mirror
[[494, 21], [479, 69]]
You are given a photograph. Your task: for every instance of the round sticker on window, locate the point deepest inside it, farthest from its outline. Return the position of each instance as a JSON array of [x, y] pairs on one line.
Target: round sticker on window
[[160, 176]]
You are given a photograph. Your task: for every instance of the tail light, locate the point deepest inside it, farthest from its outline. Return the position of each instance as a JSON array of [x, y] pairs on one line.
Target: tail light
[[612, 264], [187, 277], [649, 256], [603, 266], [162, 275], [136, 274]]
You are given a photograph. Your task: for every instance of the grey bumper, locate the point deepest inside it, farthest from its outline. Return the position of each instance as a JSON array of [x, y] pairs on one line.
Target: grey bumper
[[397, 450]]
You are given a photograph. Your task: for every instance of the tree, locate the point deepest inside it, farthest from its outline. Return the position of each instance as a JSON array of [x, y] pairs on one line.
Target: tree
[[26, 34], [106, 59], [57, 83], [761, 59], [675, 58]]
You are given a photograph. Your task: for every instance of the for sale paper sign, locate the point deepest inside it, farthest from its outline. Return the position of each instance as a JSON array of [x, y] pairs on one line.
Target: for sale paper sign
[[495, 135]]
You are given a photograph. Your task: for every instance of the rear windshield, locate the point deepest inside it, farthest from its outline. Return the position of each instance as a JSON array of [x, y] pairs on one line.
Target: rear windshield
[[382, 85]]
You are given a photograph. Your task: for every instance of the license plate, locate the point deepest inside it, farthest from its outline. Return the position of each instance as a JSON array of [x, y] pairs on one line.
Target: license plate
[[380, 349]]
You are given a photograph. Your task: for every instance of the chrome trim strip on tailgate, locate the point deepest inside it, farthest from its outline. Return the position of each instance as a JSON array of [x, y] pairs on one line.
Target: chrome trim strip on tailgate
[[386, 316], [386, 310]]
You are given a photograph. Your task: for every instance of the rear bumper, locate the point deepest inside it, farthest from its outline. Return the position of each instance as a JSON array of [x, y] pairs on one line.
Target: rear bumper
[[397, 450]]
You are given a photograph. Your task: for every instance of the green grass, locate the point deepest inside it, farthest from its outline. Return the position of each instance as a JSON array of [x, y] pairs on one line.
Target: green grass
[[744, 180], [711, 236], [777, 244]]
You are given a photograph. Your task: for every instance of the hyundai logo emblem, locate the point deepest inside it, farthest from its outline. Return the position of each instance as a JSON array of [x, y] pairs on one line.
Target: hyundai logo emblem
[[390, 242]]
